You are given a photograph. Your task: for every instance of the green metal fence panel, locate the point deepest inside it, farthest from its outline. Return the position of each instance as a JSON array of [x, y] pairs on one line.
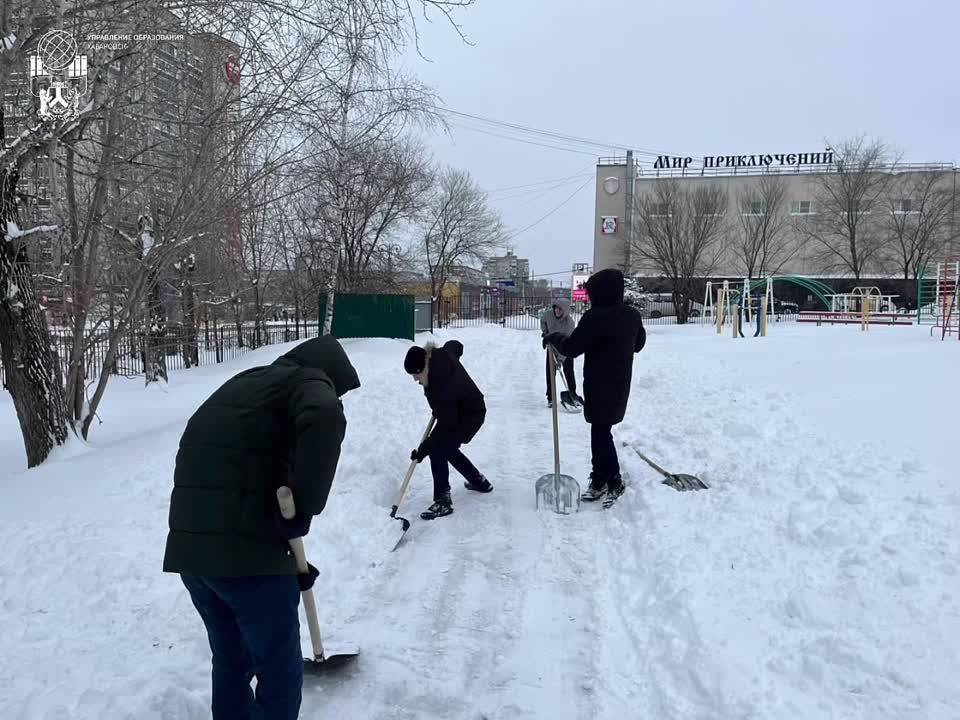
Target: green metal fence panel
[[369, 316]]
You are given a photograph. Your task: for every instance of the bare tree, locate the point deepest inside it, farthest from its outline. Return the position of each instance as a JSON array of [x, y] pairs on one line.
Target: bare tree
[[763, 246], [385, 188], [680, 231], [372, 104], [460, 227], [920, 219], [123, 159], [846, 224]]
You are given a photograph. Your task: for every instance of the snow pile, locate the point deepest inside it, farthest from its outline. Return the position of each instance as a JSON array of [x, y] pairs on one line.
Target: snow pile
[[817, 578]]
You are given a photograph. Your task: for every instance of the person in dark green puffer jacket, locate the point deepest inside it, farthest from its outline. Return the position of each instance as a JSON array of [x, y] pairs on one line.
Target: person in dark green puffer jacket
[[281, 424]]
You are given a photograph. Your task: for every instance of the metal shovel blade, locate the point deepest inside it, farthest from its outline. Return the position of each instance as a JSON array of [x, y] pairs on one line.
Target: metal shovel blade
[[405, 525], [561, 493], [567, 403], [678, 481], [683, 482], [332, 661]]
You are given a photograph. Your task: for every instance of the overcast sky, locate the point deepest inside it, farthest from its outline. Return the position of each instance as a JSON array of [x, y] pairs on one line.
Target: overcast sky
[[684, 77]]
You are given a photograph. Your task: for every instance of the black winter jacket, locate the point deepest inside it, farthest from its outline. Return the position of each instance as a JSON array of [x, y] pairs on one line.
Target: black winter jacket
[[608, 335], [456, 401], [266, 427]]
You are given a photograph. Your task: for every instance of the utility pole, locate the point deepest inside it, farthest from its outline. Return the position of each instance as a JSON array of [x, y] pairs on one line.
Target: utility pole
[[628, 214]]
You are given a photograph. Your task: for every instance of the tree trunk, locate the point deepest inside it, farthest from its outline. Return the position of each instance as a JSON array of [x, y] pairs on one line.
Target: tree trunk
[[191, 354], [155, 361], [238, 321], [33, 374], [328, 315]]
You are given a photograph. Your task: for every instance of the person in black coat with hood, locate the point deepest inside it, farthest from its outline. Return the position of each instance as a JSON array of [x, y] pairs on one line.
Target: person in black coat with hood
[[608, 335], [279, 424], [459, 409]]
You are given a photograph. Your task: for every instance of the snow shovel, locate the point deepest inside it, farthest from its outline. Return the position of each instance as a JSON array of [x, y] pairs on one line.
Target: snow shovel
[[561, 492], [678, 481], [404, 523], [566, 397], [321, 661]]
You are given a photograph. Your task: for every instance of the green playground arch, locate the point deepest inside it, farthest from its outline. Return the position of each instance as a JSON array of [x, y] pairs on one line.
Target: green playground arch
[[814, 286]]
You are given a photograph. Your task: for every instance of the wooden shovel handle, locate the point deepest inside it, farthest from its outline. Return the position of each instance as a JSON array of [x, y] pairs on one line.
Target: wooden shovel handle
[[413, 466], [289, 511]]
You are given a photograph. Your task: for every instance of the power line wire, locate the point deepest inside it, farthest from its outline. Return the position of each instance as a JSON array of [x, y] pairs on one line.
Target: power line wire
[[559, 136], [540, 182], [540, 220], [534, 194], [524, 141]]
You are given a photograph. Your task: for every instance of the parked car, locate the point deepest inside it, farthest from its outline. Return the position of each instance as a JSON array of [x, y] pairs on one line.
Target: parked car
[[659, 305]]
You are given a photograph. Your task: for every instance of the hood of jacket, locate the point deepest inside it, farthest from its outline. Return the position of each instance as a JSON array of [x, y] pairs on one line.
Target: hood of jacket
[[563, 304], [324, 353], [550, 323], [605, 288]]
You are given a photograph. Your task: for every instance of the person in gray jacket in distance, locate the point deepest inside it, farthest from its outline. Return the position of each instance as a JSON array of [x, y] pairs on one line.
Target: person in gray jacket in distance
[[557, 319]]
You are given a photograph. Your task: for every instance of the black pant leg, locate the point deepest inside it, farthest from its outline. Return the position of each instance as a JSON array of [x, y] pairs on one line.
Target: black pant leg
[[570, 374], [461, 463], [604, 452], [548, 375]]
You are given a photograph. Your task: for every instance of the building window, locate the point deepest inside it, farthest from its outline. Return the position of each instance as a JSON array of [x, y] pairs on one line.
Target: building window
[[753, 207], [905, 206], [801, 207], [660, 210], [858, 208]]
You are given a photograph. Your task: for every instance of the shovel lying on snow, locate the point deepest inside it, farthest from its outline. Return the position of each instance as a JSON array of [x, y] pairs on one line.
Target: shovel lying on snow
[[404, 523], [678, 481], [561, 492], [321, 661]]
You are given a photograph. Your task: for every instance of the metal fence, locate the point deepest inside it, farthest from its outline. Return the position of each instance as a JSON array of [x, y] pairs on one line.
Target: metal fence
[[213, 343], [523, 313]]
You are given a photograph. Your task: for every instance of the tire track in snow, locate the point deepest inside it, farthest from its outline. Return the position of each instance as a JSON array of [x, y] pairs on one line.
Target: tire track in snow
[[549, 654]]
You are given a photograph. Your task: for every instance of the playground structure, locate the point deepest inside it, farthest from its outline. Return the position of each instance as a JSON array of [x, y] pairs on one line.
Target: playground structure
[[730, 300], [864, 305], [937, 298]]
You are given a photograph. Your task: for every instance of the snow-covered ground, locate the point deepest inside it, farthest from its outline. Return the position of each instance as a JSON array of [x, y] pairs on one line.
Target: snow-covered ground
[[819, 577]]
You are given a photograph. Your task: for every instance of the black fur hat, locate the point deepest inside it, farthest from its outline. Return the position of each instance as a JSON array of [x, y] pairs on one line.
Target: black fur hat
[[415, 360]]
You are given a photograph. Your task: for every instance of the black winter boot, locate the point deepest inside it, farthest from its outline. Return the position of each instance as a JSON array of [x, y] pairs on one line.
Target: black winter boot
[[480, 485], [615, 488], [442, 505], [597, 489]]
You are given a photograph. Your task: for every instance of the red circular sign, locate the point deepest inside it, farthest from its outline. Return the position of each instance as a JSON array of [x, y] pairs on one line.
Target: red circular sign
[[231, 69]]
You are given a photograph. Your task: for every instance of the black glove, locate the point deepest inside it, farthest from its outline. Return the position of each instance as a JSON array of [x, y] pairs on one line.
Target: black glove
[[419, 454], [555, 339], [290, 529], [543, 341], [306, 580]]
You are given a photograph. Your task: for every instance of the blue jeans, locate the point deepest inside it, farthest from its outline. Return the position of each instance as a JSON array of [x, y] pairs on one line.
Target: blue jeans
[[441, 457], [254, 631]]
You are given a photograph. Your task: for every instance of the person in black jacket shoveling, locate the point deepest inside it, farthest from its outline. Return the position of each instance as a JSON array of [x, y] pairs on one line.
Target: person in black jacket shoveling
[[459, 408], [556, 319], [608, 335], [281, 424]]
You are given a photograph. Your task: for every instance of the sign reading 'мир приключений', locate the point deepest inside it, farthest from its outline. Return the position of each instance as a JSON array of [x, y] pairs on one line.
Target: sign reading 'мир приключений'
[[746, 161]]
